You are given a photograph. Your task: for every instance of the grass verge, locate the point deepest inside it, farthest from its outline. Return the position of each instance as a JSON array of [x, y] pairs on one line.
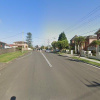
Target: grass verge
[[86, 61], [10, 56]]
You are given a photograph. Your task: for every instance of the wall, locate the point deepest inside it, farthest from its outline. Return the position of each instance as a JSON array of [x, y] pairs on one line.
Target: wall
[[95, 57], [91, 40], [2, 51]]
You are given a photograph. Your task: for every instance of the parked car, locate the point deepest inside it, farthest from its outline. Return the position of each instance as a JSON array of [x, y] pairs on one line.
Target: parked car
[[47, 50]]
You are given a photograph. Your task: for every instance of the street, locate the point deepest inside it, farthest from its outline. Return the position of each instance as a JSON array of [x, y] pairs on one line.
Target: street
[[49, 77]]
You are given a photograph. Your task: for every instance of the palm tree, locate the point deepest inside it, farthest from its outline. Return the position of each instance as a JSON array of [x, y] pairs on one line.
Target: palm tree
[[95, 43], [79, 41]]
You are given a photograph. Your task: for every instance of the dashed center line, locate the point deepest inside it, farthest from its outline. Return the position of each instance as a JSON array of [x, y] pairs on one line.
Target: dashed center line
[[46, 59]]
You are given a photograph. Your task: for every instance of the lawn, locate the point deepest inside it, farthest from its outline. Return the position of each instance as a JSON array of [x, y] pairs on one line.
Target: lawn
[[87, 61], [10, 56]]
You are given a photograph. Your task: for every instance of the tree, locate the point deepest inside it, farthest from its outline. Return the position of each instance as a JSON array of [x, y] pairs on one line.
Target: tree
[[42, 47], [79, 41], [29, 39], [62, 36], [62, 44], [54, 44], [95, 43]]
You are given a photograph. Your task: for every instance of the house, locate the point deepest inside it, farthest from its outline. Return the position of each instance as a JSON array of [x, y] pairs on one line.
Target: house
[[20, 44], [86, 45], [2, 45], [72, 42], [98, 34], [89, 40], [7, 46], [98, 38]]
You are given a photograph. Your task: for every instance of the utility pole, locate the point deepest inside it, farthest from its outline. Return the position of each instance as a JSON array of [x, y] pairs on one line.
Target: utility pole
[[22, 40], [48, 43]]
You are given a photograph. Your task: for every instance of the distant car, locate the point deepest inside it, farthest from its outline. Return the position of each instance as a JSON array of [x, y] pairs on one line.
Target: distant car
[[47, 50]]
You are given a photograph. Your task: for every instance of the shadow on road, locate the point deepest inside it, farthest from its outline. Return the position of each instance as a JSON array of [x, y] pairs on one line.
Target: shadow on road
[[93, 84], [13, 98]]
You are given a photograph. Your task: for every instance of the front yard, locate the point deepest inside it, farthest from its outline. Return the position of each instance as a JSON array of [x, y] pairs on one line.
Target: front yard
[[10, 56]]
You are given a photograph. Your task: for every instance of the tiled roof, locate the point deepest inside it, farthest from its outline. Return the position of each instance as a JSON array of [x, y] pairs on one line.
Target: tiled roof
[[97, 32], [91, 37], [74, 37]]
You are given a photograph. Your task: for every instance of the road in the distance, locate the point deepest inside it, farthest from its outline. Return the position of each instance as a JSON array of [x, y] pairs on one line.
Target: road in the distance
[[31, 78]]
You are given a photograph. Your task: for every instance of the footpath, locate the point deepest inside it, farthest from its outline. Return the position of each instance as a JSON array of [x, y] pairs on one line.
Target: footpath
[[93, 60]]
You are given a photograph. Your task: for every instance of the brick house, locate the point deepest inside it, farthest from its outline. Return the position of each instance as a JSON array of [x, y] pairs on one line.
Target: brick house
[[89, 39], [86, 45], [72, 42]]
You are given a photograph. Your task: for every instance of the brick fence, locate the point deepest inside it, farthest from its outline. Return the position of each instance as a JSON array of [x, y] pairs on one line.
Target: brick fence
[[2, 51]]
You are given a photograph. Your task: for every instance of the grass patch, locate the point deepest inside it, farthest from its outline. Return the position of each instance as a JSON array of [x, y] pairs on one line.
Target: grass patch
[[87, 61], [10, 56]]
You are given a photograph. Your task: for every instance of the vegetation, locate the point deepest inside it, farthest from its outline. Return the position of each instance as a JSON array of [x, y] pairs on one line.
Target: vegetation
[[10, 56], [62, 37], [87, 61], [95, 43], [42, 47], [79, 41], [29, 39], [62, 42]]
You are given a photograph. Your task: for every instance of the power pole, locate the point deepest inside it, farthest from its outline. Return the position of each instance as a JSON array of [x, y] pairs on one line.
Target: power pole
[[48, 43], [22, 40]]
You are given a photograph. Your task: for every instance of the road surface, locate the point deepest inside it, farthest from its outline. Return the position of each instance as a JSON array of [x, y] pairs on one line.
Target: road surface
[[47, 76]]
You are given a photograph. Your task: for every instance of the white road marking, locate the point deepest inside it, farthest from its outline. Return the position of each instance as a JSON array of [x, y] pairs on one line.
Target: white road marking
[[46, 59]]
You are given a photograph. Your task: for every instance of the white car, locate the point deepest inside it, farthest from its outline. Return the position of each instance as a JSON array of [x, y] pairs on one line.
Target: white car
[[47, 50]]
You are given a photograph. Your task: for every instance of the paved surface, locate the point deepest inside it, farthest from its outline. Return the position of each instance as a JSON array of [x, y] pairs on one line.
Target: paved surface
[[31, 78], [69, 55]]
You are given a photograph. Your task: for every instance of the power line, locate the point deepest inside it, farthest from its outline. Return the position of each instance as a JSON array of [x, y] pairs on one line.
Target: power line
[[84, 24], [11, 36], [88, 32], [84, 18]]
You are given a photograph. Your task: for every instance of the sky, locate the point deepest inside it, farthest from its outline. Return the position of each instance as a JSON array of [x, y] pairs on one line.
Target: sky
[[46, 19]]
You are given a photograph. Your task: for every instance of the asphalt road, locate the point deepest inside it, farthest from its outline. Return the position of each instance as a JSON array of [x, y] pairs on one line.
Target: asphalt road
[[48, 76]]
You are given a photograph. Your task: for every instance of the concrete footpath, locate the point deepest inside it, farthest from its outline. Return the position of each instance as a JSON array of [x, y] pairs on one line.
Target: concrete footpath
[[93, 60]]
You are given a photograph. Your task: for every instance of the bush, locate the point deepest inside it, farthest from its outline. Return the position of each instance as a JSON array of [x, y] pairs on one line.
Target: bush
[[19, 48]]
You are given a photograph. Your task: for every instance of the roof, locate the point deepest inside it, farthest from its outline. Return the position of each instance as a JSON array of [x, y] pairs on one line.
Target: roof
[[2, 42], [20, 42], [91, 37], [74, 37], [97, 32]]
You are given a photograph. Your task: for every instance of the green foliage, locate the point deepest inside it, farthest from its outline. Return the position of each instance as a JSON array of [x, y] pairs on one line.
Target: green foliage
[[95, 43], [79, 40], [87, 61], [42, 47], [46, 48], [10, 56], [19, 48], [62, 44], [54, 44], [29, 39], [62, 37]]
